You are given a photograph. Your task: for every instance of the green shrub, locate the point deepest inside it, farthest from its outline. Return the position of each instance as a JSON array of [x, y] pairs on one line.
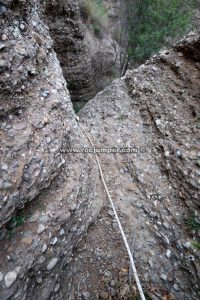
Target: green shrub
[[77, 106], [97, 30], [152, 24], [196, 245], [19, 220], [93, 13], [191, 223]]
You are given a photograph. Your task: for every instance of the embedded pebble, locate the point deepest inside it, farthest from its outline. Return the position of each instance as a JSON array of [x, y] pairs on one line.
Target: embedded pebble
[[32, 71], [167, 153], [110, 213], [44, 218], [175, 286], [52, 264], [46, 120], [107, 223], [166, 225], [22, 26], [139, 205], [86, 296], [63, 218], [158, 122], [44, 248], [54, 241], [4, 37], [186, 245], [62, 232], [163, 277], [41, 259], [7, 185], [45, 94], [112, 283], [104, 295], [3, 9], [168, 253], [34, 23], [115, 226], [57, 287], [178, 153], [41, 228], [74, 228], [1, 276], [152, 214], [10, 278], [19, 126], [3, 63], [39, 280], [4, 167]]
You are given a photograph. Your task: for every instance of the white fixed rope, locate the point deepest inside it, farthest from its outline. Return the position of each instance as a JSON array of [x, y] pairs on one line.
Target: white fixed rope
[[137, 280]]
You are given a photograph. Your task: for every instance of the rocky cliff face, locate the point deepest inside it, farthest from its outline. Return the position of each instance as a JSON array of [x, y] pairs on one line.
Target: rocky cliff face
[[68, 34], [58, 236], [153, 110], [30, 113], [89, 62], [37, 123]]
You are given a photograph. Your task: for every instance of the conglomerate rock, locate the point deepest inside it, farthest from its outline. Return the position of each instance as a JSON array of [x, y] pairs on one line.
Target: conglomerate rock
[[37, 125], [154, 112], [58, 236]]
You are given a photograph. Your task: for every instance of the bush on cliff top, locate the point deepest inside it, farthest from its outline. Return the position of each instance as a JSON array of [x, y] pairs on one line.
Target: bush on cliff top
[[152, 24]]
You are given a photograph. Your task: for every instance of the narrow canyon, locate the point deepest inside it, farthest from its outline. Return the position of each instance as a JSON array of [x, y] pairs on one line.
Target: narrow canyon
[[61, 80]]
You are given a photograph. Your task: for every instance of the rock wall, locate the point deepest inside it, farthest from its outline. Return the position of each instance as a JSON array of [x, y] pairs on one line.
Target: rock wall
[[89, 63], [31, 113], [66, 29], [42, 187]]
